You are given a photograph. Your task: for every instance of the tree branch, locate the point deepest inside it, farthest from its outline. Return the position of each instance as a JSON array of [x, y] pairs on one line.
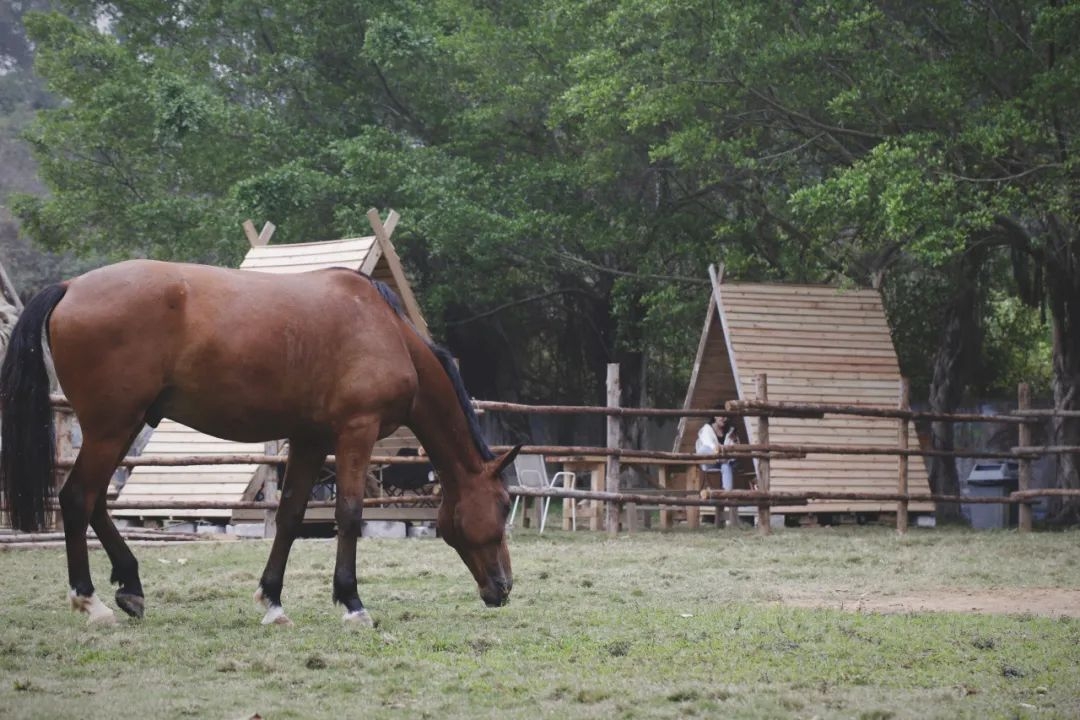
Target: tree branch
[[624, 273], [514, 303]]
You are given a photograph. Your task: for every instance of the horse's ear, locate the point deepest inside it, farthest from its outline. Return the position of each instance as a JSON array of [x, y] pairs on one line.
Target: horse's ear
[[501, 463]]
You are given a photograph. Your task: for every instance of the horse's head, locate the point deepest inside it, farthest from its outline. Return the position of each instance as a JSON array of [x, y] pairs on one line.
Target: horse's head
[[472, 520]]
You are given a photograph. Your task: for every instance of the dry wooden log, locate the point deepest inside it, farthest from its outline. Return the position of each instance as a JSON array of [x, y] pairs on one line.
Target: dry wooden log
[[95, 544], [739, 408], [774, 451], [590, 410], [1036, 450], [1045, 412], [778, 497], [128, 534], [642, 498], [121, 504], [582, 452], [789, 409], [244, 459], [1047, 492]]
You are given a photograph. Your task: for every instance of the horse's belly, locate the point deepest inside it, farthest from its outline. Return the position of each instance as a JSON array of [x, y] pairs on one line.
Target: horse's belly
[[215, 416], [273, 421]]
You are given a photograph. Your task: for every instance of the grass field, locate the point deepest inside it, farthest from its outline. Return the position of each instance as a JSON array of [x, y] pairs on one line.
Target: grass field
[[652, 625]]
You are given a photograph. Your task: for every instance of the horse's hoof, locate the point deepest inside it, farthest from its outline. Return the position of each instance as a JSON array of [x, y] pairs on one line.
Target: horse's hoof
[[359, 617], [133, 605], [99, 613], [275, 615]]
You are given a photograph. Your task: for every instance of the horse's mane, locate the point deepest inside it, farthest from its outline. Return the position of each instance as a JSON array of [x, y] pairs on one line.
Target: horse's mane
[[448, 364]]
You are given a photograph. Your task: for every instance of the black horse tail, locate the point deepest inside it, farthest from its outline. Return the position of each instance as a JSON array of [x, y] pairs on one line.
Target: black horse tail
[[27, 439]]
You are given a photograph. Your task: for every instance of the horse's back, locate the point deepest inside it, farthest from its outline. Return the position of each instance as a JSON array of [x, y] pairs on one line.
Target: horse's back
[[236, 353]]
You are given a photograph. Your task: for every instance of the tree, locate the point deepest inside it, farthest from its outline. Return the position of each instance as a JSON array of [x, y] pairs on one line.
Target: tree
[[183, 120], [567, 170], [856, 139]]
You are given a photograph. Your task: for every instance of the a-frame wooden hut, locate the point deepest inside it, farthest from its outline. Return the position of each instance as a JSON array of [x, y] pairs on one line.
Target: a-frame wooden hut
[[817, 344], [374, 255]]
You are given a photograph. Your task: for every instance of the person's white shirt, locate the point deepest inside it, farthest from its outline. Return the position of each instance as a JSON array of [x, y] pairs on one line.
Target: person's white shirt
[[707, 443]]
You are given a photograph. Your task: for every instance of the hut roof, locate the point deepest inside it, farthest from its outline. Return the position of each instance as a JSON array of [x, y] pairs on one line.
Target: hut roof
[[816, 344]]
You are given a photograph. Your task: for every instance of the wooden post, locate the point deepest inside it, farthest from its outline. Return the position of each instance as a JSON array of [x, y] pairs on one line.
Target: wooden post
[[9, 289], [382, 238], [614, 440], [902, 460], [260, 239], [1023, 402], [764, 511], [631, 512], [270, 494], [596, 482], [694, 482], [665, 514]]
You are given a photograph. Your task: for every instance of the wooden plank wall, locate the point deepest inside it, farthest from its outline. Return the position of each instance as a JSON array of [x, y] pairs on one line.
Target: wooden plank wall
[[209, 482], [229, 482], [817, 344]]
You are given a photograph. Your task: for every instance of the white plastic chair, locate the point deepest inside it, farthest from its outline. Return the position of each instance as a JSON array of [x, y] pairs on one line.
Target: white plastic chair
[[532, 473]]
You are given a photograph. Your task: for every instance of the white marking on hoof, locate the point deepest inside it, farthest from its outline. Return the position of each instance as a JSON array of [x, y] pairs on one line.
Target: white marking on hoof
[[260, 599], [360, 617], [275, 615], [99, 613]]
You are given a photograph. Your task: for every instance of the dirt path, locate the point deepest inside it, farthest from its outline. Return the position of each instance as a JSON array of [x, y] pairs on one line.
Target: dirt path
[[1048, 602]]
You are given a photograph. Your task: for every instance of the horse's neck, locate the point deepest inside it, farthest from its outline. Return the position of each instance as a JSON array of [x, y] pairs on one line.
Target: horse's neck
[[441, 426]]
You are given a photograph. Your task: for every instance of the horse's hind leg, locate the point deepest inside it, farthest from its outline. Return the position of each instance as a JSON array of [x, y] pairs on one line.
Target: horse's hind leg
[[125, 568], [78, 502], [305, 459]]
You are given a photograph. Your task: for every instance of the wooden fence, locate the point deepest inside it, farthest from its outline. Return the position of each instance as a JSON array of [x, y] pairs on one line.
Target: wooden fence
[[614, 499]]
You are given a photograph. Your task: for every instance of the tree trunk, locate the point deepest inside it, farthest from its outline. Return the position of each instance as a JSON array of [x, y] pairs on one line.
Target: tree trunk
[[1063, 292], [953, 360]]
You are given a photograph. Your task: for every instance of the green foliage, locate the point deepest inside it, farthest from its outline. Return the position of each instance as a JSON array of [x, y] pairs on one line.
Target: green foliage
[[563, 169], [1019, 347]]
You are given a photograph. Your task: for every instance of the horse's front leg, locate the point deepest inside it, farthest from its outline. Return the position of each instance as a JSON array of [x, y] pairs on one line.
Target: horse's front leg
[[305, 459], [354, 446]]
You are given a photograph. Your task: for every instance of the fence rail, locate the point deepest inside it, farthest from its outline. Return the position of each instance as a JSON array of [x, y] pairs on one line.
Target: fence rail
[[761, 407]]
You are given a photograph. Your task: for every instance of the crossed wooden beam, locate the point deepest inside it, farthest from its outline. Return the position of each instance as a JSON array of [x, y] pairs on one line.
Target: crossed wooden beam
[[382, 238]]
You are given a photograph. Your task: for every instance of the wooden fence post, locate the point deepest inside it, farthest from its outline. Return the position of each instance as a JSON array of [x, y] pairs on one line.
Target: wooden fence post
[[902, 460], [270, 494], [694, 482], [1023, 402], [614, 440], [665, 514], [764, 512]]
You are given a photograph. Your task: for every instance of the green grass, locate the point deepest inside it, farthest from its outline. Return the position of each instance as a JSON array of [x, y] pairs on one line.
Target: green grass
[[653, 625]]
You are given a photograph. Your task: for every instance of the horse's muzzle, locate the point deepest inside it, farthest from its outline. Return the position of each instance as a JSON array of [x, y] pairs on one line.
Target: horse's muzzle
[[497, 593]]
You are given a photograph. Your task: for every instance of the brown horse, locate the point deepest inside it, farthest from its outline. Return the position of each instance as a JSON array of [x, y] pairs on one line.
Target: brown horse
[[326, 359]]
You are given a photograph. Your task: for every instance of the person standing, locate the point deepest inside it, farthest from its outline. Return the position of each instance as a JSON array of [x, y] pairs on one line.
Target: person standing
[[708, 443]]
